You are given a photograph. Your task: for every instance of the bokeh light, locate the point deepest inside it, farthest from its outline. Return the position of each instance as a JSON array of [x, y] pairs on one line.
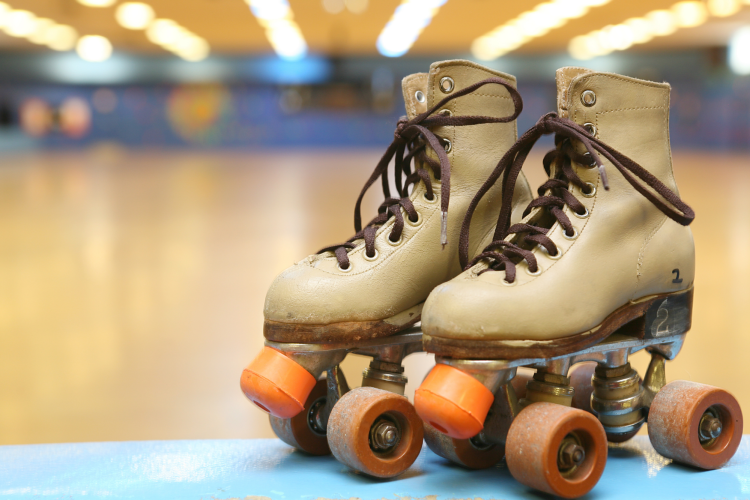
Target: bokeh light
[[94, 48], [134, 15]]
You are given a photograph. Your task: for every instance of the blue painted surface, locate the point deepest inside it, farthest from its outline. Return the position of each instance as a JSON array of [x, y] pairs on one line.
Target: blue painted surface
[[268, 468]]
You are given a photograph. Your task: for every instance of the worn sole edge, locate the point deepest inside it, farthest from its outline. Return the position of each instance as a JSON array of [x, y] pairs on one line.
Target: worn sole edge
[[344, 331], [511, 349]]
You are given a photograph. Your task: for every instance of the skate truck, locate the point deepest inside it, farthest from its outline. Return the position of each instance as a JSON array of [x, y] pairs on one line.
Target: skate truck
[[373, 429], [555, 429]]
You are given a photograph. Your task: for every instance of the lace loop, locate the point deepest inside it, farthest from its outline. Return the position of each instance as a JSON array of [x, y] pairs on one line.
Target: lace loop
[[410, 142], [554, 194]]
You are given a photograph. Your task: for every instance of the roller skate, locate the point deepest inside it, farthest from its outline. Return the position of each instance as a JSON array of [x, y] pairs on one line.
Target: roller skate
[[601, 266], [365, 296]]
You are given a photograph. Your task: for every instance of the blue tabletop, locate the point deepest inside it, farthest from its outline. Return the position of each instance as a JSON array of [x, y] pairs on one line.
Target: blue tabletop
[[238, 469]]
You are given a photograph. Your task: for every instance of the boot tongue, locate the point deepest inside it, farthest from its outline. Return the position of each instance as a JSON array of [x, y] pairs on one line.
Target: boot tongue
[[564, 78], [414, 88]]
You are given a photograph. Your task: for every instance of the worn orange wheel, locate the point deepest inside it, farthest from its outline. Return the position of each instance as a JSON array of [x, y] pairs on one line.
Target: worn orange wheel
[[453, 402], [305, 430], [277, 384], [556, 449], [580, 380], [375, 431], [469, 453], [695, 424]]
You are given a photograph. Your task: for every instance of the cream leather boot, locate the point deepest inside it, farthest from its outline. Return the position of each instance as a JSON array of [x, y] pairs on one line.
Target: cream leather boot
[[586, 259], [375, 284]]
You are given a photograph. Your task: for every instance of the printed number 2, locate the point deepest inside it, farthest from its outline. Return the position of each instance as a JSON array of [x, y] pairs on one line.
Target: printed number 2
[[677, 278]]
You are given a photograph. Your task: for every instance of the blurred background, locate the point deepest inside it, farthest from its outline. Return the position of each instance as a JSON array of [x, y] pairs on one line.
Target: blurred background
[[162, 161]]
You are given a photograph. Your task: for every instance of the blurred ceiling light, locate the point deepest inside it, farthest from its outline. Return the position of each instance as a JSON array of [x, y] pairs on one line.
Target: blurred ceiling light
[[20, 23], [4, 11], [281, 30], [356, 6], [163, 32], [662, 22], [684, 14], [724, 8], [94, 48], [192, 48], [739, 51], [61, 37], [97, 3], [134, 15], [535, 23], [39, 36], [405, 26], [641, 29], [689, 14], [333, 6]]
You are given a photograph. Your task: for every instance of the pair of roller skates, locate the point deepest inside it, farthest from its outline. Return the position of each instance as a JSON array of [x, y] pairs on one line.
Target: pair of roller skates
[[600, 265]]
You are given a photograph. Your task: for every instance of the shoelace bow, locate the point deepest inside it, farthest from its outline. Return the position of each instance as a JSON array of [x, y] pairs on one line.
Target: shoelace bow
[[554, 193], [415, 135]]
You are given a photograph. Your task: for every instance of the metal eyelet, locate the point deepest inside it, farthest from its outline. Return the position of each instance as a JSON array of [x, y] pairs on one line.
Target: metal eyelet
[[420, 96], [448, 145], [574, 236], [445, 112], [553, 257], [590, 128], [590, 165], [508, 283], [591, 193], [581, 216], [394, 243], [367, 257], [536, 273], [338, 266], [588, 98], [447, 84], [428, 200], [417, 222]]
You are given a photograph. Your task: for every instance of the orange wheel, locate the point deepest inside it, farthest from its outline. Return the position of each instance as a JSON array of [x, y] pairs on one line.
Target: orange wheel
[[470, 453], [520, 380], [696, 424], [556, 449], [580, 380], [305, 431], [375, 431], [277, 384], [453, 402]]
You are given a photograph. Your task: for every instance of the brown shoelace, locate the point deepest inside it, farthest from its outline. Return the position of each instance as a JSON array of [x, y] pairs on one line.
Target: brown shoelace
[[554, 194], [410, 142]]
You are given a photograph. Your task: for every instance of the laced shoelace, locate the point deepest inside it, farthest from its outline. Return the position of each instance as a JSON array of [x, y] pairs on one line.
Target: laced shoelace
[[554, 194], [411, 139]]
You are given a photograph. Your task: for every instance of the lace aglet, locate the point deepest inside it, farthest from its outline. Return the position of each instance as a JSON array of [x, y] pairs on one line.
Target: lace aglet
[[443, 228], [603, 174]]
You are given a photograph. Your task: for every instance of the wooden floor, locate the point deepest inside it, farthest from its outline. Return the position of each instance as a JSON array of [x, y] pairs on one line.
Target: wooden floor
[[132, 284]]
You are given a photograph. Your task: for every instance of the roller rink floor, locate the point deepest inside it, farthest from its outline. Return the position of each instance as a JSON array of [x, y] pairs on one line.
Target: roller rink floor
[[132, 283], [264, 469]]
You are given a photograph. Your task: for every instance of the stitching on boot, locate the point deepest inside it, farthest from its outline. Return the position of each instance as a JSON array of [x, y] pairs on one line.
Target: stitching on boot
[[642, 255]]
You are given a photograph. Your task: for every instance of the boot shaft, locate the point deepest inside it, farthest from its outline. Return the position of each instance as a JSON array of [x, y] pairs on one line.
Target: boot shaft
[[630, 115]]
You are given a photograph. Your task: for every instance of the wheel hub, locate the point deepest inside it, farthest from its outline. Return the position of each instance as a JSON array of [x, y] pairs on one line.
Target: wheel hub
[[710, 426], [571, 454], [316, 418], [384, 435]]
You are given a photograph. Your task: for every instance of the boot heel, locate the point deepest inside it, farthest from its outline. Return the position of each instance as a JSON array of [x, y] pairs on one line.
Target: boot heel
[[669, 316]]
